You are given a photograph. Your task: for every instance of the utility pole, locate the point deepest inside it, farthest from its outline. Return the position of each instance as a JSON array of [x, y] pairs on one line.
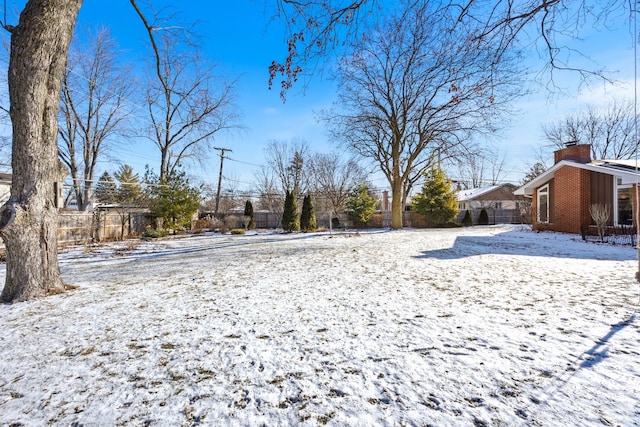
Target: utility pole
[[222, 150]]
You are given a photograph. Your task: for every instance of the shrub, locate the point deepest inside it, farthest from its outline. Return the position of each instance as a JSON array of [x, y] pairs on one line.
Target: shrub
[[308, 221], [483, 218], [467, 221], [154, 234], [290, 220], [199, 225], [237, 231], [361, 206], [437, 200], [600, 214]]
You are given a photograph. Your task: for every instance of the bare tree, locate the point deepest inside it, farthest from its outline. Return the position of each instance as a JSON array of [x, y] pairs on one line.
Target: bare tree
[[187, 104], [609, 130], [600, 213], [414, 91], [287, 160], [478, 167], [334, 179], [270, 196], [94, 91]]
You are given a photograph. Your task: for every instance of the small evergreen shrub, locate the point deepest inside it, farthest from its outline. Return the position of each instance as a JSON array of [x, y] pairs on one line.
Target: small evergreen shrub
[[308, 221], [483, 218], [154, 234], [335, 222], [467, 221], [290, 220]]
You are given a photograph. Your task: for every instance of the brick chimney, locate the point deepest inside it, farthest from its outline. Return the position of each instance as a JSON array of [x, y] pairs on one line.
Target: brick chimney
[[579, 153]]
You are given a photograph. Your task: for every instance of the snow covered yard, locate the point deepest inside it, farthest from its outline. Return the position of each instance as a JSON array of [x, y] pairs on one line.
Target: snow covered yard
[[483, 326]]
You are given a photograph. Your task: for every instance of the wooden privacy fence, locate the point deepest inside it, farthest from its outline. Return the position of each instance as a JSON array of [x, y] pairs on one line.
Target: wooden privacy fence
[[84, 227], [497, 216]]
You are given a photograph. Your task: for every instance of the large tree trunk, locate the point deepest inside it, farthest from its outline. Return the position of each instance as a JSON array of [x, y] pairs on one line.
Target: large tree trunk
[[396, 204], [29, 222], [396, 185]]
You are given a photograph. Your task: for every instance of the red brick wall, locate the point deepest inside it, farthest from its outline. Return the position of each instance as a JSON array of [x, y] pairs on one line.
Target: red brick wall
[[569, 198], [580, 153], [572, 199]]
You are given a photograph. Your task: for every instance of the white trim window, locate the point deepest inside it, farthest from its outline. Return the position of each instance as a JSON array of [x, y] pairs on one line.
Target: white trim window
[[623, 210], [543, 203]]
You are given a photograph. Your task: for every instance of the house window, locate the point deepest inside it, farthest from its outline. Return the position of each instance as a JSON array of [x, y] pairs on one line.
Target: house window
[[624, 211], [543, 204], [462, 206], [498, 205]]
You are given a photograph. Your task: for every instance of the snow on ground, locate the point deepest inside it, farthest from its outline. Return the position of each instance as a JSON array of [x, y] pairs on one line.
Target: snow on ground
[[484, 326]]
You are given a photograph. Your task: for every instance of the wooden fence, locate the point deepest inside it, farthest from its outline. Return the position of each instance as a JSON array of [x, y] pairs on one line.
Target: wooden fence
[[84, 227]]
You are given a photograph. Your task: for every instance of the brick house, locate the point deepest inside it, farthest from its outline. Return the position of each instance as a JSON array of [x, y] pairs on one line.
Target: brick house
[[500, 202], [561, 196]]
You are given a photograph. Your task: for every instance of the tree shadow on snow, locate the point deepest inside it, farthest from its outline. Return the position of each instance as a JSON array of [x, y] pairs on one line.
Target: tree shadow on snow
[[600, 350], [531, 244], [588, 359]]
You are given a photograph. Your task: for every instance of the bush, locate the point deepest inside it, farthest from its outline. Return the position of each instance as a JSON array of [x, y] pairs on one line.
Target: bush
[[437, 200], [361, 206], [467, 221], [237, 231], [483, 218], [200, 225], [308, 222], [290, 220], [154, 234]]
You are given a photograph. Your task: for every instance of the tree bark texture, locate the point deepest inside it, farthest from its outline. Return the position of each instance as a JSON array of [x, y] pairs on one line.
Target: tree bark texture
[[39, 47]]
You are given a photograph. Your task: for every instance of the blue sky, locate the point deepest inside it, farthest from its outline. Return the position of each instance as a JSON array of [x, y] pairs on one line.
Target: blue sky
[[239, 37]]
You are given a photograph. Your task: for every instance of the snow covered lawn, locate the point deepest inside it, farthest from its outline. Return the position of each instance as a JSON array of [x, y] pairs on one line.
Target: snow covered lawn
[[482, 326]]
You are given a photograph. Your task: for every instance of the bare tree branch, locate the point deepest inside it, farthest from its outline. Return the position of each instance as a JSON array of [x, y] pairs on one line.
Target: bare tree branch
[[610, 130], [94, 91], [187, 104]]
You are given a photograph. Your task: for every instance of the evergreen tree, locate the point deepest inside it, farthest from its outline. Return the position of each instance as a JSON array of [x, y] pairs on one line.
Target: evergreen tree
[[483, 218], [106, 189], [290, 220], [308, 221], [248, 212], [467, 220], [172, 199], [129, 189], [361, 206], [436, 201]]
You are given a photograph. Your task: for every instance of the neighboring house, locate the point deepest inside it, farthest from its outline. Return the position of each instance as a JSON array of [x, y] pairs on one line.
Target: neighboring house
[[502, 206], [562, 196], [5, 187]]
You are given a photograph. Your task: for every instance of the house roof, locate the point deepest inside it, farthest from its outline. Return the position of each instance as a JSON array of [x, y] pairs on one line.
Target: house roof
[[5, 177], [626, 170], [475, 193]]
